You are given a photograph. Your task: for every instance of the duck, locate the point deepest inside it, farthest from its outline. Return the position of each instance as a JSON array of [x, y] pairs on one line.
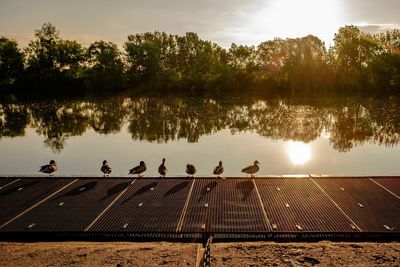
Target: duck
[[138, 169], [219, 169], [105, 168], [252, 169], [162, 170], [190, 169], [49, 168]]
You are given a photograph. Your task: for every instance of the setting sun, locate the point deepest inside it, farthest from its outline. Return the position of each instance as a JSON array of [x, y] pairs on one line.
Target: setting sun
[[299, 153], [288, 18]]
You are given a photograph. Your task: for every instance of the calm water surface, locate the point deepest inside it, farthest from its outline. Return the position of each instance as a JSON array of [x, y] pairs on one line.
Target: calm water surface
[[332, 136]]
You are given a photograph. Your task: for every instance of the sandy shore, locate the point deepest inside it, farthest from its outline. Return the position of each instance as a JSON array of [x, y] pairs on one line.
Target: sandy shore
[[181, 254], [97, 254], [306, 254]]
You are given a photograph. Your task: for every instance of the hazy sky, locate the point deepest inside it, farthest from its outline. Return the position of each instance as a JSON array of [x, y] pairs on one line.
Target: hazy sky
[[240, 21]]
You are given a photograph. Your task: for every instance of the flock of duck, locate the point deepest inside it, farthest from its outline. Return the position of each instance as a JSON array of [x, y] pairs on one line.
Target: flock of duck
[[162, 169]]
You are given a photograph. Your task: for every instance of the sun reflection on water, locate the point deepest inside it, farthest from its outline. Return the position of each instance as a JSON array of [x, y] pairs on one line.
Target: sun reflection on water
[[298, 152]]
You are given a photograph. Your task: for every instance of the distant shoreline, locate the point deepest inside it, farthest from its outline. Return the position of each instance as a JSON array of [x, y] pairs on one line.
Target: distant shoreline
[[164, 63]]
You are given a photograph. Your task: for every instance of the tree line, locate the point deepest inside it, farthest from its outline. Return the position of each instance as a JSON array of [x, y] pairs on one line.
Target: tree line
[[157, 61]]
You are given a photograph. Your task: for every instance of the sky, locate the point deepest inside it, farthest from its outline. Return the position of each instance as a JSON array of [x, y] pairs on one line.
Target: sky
[[246, 22]]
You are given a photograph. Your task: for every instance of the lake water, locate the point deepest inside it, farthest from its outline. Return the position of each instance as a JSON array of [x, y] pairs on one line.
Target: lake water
[[325, 136]]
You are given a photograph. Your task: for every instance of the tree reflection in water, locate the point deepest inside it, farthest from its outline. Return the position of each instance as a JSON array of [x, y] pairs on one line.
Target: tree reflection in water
[[346, 122]]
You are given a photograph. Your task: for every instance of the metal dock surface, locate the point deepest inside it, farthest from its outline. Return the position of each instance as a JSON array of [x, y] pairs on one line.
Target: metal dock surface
[[187, 209]]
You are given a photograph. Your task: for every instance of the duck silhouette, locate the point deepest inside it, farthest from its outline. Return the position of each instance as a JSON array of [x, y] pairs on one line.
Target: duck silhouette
[[162, 169], [49, 168], [190, 169], [141, 168], [252, 169], [219, 169], [105, 168]]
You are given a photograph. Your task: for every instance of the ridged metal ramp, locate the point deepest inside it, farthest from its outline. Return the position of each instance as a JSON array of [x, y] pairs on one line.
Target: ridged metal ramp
[[277, 208]]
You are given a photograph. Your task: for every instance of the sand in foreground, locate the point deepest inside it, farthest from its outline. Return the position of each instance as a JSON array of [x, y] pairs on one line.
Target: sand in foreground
[[306, 254], [97, 254], [181, 254]]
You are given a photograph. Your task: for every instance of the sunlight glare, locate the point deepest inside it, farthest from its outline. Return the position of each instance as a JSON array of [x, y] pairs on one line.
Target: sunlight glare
[[294, 18], [299, 153]]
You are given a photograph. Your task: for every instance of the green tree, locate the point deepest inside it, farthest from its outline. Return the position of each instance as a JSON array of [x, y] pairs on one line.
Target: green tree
[[295, 64], [105, 66], [354, 51], [244, 63], [199, 61], [174, 61], [143, 54], [385, 69], [51, 60], [306, 63], [273, 56], [70, 58], [42, 53], [11, 62]]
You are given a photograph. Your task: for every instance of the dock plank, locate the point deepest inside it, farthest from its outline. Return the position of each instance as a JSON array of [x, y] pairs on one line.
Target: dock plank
[[72, 209], [21, 195], [368, 205]]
